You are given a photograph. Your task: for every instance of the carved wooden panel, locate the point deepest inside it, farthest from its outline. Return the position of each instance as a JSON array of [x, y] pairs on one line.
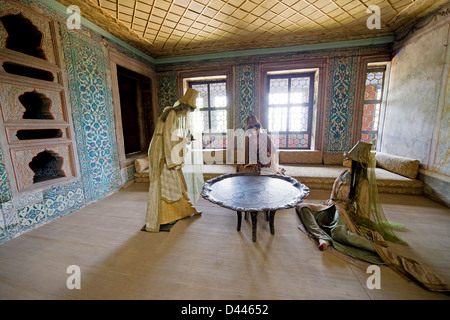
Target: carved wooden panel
[[14, 97], [37, 21], [38, 141], [38, 133], [23, 157]]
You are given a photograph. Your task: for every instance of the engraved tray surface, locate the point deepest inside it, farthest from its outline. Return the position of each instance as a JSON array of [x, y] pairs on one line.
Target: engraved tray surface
[[254, 191]]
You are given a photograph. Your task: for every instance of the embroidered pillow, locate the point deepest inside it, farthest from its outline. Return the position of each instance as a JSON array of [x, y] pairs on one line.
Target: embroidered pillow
[[141, 164], [403, 166]]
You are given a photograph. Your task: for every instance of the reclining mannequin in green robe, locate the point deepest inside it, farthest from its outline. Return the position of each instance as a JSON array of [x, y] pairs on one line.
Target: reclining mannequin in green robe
[[353, 222]]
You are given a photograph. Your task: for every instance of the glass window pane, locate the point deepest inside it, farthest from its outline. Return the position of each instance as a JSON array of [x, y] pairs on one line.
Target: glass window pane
[[219, 120], [369, 137], [205, 120], [222, 142], [277, 119], [219, 141], [213, 122], [289, 106], [200, 119], [278, 140], [218, 92], [214, 140], [282, 142], [207, 140], [300, 90], [298, 141], [371, 111], [298, 118], [278, 91], [370, 117], [202, 99], [374, 85]]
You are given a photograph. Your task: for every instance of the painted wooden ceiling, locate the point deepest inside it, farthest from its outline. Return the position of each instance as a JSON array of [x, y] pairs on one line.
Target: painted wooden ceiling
[[170, 28]]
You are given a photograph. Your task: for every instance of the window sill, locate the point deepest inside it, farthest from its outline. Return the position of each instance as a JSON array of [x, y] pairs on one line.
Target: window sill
[[129, 160]]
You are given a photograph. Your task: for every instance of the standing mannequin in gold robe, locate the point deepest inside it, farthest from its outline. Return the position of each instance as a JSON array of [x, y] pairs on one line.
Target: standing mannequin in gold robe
[[168, 199], [353, 222]]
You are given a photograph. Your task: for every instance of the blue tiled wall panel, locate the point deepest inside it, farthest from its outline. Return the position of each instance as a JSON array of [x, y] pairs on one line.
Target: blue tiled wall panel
[[93, 115]]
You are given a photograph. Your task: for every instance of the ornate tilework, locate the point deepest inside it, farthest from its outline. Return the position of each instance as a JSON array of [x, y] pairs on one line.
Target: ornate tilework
[[166, 89], [3, 234], [32, 216], [5, 193], [93, 115], [246, 93], [56, 202], [127, 174], [74, 196], [10, 220], [340, 104], [93, 120]]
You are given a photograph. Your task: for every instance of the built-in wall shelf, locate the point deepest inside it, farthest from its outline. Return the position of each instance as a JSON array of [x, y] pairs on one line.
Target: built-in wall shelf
[[37, 141]]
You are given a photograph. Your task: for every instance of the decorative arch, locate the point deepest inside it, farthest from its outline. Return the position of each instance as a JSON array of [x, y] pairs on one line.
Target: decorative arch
[[46, 165], [23, 35], [37, 105]]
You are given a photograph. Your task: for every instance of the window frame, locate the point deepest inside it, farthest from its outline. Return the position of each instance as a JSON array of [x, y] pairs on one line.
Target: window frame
[[309, 104], [380, 101], [365, 62], [209, 73], [209, 108], [320, 67]]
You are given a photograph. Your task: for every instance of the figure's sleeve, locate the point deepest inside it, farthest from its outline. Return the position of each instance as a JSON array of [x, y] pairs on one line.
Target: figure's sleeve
[[172, 143]]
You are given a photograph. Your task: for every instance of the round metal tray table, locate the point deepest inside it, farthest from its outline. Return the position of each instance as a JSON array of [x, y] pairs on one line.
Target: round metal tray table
[[254, 192]]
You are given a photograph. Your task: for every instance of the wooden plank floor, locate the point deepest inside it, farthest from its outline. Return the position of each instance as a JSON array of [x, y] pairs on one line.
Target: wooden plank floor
[[204, 257]]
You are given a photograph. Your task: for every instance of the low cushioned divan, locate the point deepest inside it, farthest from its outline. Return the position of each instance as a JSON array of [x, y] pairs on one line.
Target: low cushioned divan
[[319, 177], [322, 177], [401, 179]]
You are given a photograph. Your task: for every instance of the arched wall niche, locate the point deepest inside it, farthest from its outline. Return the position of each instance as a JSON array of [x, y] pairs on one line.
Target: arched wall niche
[[39, 148], [47, 165], [22, 35], [37, 105]]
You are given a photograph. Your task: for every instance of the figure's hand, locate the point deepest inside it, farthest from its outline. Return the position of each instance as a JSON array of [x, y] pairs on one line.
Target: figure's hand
[[323, 244]]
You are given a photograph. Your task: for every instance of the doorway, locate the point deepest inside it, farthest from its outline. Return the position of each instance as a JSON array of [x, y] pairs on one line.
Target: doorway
[[136, 111]]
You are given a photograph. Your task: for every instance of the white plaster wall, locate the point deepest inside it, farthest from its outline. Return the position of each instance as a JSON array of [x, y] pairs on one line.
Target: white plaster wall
[[417, 118], [414, 106]]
